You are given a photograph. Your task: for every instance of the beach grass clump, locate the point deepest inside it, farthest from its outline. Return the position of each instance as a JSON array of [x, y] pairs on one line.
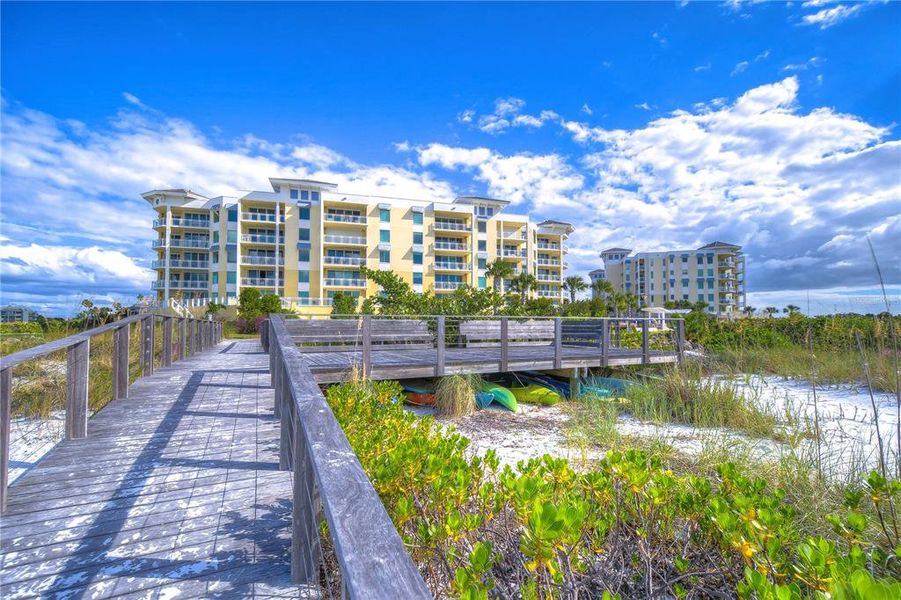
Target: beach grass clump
[[683, 394], [455, 395]]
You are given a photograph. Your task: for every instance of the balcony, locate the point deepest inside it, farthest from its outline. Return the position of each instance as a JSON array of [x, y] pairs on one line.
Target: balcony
[[175, 263], [181, 285], [548, 293], [183, 222], [338, 218], [183, 243], [345, 282], [258, 281], [548, 277], [451, 226], [451, 266], [726, 264], [553, 262], [353, 261], [449, 285], [262, 260], [514, 237], [548, 246], [261, 217], [345, 240], [307, 301], [259, 238], [452, 246], [507, 253]]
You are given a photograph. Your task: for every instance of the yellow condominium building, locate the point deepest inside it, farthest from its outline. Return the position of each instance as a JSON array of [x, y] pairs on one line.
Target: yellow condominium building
[[306, 241], [714, 274]]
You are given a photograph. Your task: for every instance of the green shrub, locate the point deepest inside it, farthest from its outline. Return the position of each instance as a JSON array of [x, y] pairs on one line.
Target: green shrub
[[630, 528]]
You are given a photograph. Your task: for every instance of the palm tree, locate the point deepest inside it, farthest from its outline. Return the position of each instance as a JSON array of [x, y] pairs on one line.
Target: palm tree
[[601, 288], [574, 284], [498, 271], [770, 310], [749, 310], [632, 302], [617, 302], [791, 309], [524, 283]]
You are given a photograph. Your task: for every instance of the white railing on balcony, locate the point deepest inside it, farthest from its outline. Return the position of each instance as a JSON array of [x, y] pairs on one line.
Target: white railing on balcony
[[516, 253], [514, 236], [449, 285], [450, 246], [345, 282], [349, 240], [548, 277], [287, 302], [264, 217], [262, 260], [338, 218], [344, 260], [451, 226], [183, 243], [176, 263], [451, 266], [548, 294], [548, 246], [554, 262], [258, 281], [259, 238], [184, 222], [181, 285]]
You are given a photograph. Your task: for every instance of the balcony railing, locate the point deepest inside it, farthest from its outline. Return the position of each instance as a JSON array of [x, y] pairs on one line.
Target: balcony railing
[[264, 217], [548, 294], [337, 218], [258, 281], [344, 260], [287, 302], [449, 285], [450, 246], [520, 237], [548, 246], [259, 238], [548, 277], [183, 243], [451, 226], [181, 285], [451, 266], [183, 222], [175, 263], [345, 282], [513, 253], [262, 260], [554, 262], [346, 240]]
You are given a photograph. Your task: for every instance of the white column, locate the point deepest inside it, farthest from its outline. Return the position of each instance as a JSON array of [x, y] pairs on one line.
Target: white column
[[166, 254]]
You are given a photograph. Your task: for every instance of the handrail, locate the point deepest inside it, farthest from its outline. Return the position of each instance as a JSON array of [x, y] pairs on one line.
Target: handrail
[[192, 335], [329, 480]]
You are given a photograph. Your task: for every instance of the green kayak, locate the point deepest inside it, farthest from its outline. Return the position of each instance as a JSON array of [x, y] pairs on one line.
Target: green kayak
[[536, 394], [502, 395]]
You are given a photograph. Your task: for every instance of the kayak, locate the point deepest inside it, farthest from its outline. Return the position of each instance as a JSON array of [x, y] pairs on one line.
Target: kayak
[[502, 395], [606, 386], [483, 399], [421, 399], [547, 381], [420, 392], [536, 394]]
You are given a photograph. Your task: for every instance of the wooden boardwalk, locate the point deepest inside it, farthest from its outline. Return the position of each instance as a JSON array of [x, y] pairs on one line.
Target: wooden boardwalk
[[175, 492]]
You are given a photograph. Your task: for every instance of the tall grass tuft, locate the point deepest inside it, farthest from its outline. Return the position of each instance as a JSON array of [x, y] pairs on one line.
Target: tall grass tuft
[[455, 395], [684, 395]]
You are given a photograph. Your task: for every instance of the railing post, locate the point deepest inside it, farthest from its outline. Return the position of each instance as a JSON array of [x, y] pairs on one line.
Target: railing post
[[304, 517], [6, 392], [605, 342], [288, 424], [147, 346], [277, 381], [645, 349], [367, 346], [120, 362], [180, 350], [558, 343], [189, 331], [264, 335], [616, 328], [439, 346], [77, 363], [167, 341], [505, 345], [680, 339]]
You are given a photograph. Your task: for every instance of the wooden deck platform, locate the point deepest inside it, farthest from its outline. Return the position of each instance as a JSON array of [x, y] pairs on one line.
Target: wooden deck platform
[[175, 492], [400, 363]]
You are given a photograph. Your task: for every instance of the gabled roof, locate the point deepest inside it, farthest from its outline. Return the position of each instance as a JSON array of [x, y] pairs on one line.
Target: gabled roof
[[324, 185], [597, 271], [481, 200], [173, 192], [712, 245], [568, 227], [627, 250]]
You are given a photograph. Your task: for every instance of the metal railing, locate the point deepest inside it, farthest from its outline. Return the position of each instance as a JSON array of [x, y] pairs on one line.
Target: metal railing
[[349, 240], [183, 243], [549, 261], [344, 260], [180, 285], [451, 246], [329, 482], [261, 217], [181, 337], [449, 285], [547, 246], [516, 253], [176, 263], [262, 260], [339, 218], [345, 282], [441, 265], [258, 281], [288, 302], [451, 226], [259, 238]]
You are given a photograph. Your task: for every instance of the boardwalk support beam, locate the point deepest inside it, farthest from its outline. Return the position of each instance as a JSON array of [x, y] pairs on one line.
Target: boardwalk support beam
[[77, 363]]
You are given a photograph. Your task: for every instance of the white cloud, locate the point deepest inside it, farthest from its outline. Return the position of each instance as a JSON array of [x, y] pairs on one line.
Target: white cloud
[[132, 99], [739, 68], [827, 17], [810, 63], [403, 146], [587, 110], [644, 106], [507, 113], [466, 116], [659, 37], [704, 67]]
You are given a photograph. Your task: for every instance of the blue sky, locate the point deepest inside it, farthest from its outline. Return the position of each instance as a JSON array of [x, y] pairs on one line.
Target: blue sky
[[649, 125]]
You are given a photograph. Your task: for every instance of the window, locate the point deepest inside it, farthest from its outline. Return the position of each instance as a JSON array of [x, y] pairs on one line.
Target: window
[[385, 235], [417, 237], [215, 216], [384, 215], [417, 218], [293, 194], [303, 255], [700, 272], [417, 258], [417, 278], [231, 236], [483, 282], [483, 263], [314, 196], [215, 278], [215, 237], [231, 255], [483, 246], [304, 195], [685, 296], [483, 227], [231, 277], [384, 256], [304, 234], [304, 213], [700, 284], [233, 214], [710, 297], [303, 276]]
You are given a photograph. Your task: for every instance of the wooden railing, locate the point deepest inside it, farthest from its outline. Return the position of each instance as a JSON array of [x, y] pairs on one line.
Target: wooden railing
[[181, 337], [330, 482]]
